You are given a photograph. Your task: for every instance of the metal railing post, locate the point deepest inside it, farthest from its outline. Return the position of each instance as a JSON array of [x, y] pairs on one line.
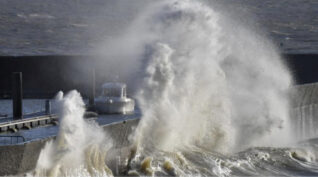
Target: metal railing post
[[47, 106], [92, 92], [17, 95]]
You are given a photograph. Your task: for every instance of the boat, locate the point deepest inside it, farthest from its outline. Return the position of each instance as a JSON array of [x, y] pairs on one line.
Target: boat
[[113, 99]]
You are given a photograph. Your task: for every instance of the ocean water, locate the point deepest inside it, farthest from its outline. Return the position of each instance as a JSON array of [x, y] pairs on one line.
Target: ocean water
[[215, 96], [60, 27]]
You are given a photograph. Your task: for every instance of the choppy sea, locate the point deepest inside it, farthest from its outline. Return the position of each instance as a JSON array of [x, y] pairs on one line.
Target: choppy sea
[[76, 27]]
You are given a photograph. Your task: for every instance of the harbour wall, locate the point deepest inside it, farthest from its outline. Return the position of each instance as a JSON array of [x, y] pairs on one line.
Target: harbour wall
[[21, 158], [304, 115], [44, 76]]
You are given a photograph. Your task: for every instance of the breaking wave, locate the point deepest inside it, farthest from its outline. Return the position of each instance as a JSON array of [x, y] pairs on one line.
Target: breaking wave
[[81, 146], [207, 86], [208, 82]]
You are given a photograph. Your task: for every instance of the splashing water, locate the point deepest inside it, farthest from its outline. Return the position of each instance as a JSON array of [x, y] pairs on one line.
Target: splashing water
[[80, 147], [209, 83], [207, 87]]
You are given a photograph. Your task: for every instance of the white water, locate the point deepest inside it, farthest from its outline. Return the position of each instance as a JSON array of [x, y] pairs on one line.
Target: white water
[[208, 81], [80, 148], [202, 82]]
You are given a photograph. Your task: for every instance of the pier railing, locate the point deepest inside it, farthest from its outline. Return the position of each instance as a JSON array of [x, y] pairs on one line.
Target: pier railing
[[28, 123]]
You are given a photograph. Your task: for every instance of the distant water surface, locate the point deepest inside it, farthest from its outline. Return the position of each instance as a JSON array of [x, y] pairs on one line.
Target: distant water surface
[[43, 27]]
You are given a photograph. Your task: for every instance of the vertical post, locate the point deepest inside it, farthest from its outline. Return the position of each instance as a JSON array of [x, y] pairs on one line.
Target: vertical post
[[92, 90], [47, 107], [17, 95]]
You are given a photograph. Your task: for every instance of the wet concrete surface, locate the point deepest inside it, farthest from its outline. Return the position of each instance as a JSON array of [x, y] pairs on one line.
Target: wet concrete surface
[[52, 130]]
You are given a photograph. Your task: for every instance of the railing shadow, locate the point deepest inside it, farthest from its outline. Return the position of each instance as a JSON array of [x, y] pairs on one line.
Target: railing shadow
[[9, 140]]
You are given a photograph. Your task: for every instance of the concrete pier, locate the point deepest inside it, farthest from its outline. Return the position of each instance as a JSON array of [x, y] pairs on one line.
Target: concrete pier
[[36, 120], [22, 157]]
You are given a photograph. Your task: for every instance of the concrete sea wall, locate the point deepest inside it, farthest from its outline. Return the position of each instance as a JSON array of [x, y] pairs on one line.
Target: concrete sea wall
[[17, 159], [120, 132], [21, 158], [304, 114]]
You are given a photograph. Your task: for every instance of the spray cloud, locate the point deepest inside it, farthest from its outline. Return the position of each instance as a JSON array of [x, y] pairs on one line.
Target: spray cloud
[[206, 81], [80, 147]]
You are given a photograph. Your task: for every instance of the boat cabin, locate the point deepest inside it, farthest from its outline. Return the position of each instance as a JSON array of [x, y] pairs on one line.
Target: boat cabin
[[114, 99], [114, 90]]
